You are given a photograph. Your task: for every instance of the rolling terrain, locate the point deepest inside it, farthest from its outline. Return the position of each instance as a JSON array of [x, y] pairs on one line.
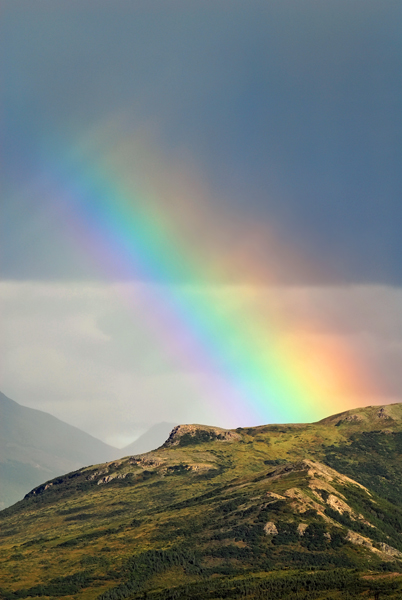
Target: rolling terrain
[[277, 511]]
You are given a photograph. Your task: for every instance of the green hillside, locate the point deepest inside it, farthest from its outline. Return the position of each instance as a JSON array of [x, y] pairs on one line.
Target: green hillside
[[277, 511]]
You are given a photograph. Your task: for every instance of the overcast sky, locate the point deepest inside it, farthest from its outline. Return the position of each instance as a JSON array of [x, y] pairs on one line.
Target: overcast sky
[[268, 133]]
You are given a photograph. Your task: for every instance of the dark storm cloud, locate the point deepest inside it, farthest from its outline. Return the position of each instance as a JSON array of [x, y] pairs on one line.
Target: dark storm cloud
[[292, 110]]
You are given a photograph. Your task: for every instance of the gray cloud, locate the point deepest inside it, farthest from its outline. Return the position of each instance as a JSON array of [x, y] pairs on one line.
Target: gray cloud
[[290, 110]]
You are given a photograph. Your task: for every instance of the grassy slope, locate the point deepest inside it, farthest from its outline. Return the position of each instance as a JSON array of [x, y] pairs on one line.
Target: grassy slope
[[188, 519]]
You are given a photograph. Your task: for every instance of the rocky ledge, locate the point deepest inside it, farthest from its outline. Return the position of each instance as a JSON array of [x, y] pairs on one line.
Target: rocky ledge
[[186, 435]]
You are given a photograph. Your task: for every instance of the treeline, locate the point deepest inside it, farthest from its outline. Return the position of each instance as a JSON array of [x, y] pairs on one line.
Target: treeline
[[139, 569], [239, 562], [300, 586]]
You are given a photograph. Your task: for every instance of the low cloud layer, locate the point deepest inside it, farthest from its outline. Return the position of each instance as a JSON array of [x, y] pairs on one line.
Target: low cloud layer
[[83, 353]]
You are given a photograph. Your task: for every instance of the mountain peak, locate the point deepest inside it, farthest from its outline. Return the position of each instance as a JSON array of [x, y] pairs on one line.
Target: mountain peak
[[388, 415], [185, 435]]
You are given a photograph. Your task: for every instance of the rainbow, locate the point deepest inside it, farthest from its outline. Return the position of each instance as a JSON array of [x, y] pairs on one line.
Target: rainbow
[[247, 367]]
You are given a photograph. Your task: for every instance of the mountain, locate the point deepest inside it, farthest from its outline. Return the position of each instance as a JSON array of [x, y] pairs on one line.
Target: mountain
[[295, 512], [34, 447], [151, 439]]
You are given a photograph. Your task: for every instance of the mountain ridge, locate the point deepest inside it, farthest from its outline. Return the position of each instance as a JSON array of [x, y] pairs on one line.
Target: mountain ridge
[[290, 511], [151, 439], [35, 446], [388, 412]]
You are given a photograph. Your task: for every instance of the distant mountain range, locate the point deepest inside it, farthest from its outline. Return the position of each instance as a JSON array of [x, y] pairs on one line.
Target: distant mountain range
[[35, 447], [151, 439], [286, 512]]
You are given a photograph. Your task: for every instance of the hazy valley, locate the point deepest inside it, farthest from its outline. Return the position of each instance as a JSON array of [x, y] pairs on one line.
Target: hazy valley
[[35, 447]]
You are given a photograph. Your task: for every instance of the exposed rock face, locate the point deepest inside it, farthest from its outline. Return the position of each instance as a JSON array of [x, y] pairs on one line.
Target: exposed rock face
[[339, 505], [96, 474], [191, 434], [321, 471], [145, 461], [390, 550], [301, 528], [350, 419], [321, 480], [111, 477], [270, 528], [272, 497], [360, 540], [318, 473], [302, 502], [354, 419], [383, 414], [105, 479]]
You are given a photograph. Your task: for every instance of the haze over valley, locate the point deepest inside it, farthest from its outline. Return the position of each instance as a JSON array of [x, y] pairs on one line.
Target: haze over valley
[[35, 447]]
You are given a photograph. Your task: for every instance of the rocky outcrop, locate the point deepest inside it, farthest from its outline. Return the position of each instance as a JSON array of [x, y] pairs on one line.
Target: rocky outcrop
[[322, 490], [320, 479], [390, 550], [301, 528], [270, 528], [272, 497], [350, 419], [384, 550], [186, 435], [353, 419], [302, 502], [360, 540], [318, 473], [96, 474], [339, 505], [145, 461], [383, 414], [316, 470], [109, 478]]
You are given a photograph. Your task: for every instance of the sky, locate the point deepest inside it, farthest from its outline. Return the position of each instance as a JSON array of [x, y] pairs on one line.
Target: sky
[[201, 208]]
